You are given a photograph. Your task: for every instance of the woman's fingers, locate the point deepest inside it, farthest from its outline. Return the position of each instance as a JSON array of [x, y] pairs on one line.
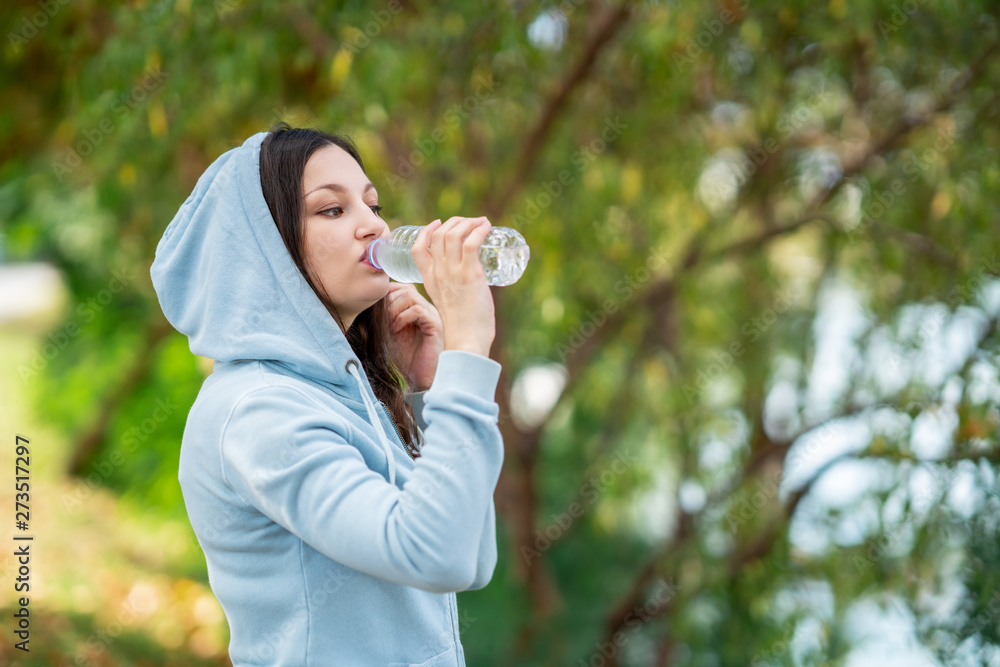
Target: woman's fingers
[[405, 318], [421, 251], [438, 236], [454, 238], [449, 240], [450, 266], [424, 317], [396, 292], [399, 291], [403, 298], [470, 247]]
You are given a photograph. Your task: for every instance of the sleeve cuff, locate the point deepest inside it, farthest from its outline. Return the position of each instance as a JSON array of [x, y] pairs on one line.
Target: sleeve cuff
[[469, 372], [416, 400]]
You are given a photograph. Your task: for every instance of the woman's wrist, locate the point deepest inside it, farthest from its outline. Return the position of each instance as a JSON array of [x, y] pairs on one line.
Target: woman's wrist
[[469, 347], [468, 371], [474, 344]]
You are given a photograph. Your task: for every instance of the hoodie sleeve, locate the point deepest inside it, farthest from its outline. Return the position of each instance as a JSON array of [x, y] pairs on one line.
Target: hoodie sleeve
[[486, 560], [416, 400], [297, 465], [487, 554]]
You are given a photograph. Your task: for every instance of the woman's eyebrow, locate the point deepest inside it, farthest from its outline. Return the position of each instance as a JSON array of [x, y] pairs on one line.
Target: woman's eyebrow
[[340, 188]]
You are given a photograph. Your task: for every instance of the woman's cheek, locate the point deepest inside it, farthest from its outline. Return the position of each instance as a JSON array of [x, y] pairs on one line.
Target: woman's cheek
[[327, 248]]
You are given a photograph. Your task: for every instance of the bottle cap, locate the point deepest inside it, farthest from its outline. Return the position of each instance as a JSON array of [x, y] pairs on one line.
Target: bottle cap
[[371, 254]]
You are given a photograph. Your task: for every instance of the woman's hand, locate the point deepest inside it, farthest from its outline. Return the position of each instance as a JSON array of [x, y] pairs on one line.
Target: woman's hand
[[447, 255], [419, 334]]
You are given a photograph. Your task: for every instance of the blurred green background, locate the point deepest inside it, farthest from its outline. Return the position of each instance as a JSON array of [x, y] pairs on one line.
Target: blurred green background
[[750, 389]]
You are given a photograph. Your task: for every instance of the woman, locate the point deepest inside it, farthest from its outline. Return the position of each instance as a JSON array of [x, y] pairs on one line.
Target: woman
[[330, 536]]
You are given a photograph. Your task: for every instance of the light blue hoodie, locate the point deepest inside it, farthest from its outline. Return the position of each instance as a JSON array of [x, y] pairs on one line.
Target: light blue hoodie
[[326, 544]]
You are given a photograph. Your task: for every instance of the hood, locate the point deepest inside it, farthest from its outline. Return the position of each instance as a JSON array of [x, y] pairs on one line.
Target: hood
[[224, 278]]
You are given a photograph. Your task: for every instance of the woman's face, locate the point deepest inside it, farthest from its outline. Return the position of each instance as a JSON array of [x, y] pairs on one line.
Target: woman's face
[[341, 220]]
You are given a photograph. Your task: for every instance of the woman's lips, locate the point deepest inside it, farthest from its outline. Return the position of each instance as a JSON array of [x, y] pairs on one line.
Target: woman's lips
[[364, 260]]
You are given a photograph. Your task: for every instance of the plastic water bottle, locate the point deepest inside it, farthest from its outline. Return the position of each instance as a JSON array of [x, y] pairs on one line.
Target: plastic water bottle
[[504, 254]]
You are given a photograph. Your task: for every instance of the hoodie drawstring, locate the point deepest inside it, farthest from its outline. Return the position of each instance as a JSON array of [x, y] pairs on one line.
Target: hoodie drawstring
[[352, 368]]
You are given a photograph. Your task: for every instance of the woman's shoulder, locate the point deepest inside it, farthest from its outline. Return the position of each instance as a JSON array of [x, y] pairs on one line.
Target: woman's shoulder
[[235, 383]]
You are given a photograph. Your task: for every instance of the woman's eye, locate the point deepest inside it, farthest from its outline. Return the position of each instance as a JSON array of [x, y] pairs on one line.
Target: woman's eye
[[377, 209], [336, 211]]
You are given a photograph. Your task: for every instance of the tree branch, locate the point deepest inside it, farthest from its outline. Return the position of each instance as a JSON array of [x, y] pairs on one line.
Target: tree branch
[[762, 545], [607, 26], [516, 488]]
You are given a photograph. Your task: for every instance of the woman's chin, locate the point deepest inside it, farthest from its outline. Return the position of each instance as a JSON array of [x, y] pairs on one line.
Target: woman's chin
[[380, 292]]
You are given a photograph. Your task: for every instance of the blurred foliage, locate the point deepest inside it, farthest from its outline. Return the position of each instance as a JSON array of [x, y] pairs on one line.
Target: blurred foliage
[[712, 194]]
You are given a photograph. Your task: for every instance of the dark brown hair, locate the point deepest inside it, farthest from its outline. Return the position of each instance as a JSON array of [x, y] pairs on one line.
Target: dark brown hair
[[283, 157]]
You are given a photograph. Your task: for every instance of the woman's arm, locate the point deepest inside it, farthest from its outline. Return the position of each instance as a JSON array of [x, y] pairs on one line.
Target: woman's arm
[[295, 464], [486, 560]]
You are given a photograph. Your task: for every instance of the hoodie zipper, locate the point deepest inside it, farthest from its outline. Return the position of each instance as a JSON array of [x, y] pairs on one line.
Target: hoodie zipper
[[398, 434]]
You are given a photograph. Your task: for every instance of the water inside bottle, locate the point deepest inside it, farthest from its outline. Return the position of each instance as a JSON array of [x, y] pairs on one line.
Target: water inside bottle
[[397, 262], [504, 256]]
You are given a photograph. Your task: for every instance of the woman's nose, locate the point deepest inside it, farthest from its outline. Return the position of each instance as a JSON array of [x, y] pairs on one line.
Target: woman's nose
[[372, 224]]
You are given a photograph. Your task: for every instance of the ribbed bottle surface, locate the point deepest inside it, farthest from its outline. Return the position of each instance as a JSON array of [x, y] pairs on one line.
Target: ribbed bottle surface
[[504, 255], [393, 254]]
